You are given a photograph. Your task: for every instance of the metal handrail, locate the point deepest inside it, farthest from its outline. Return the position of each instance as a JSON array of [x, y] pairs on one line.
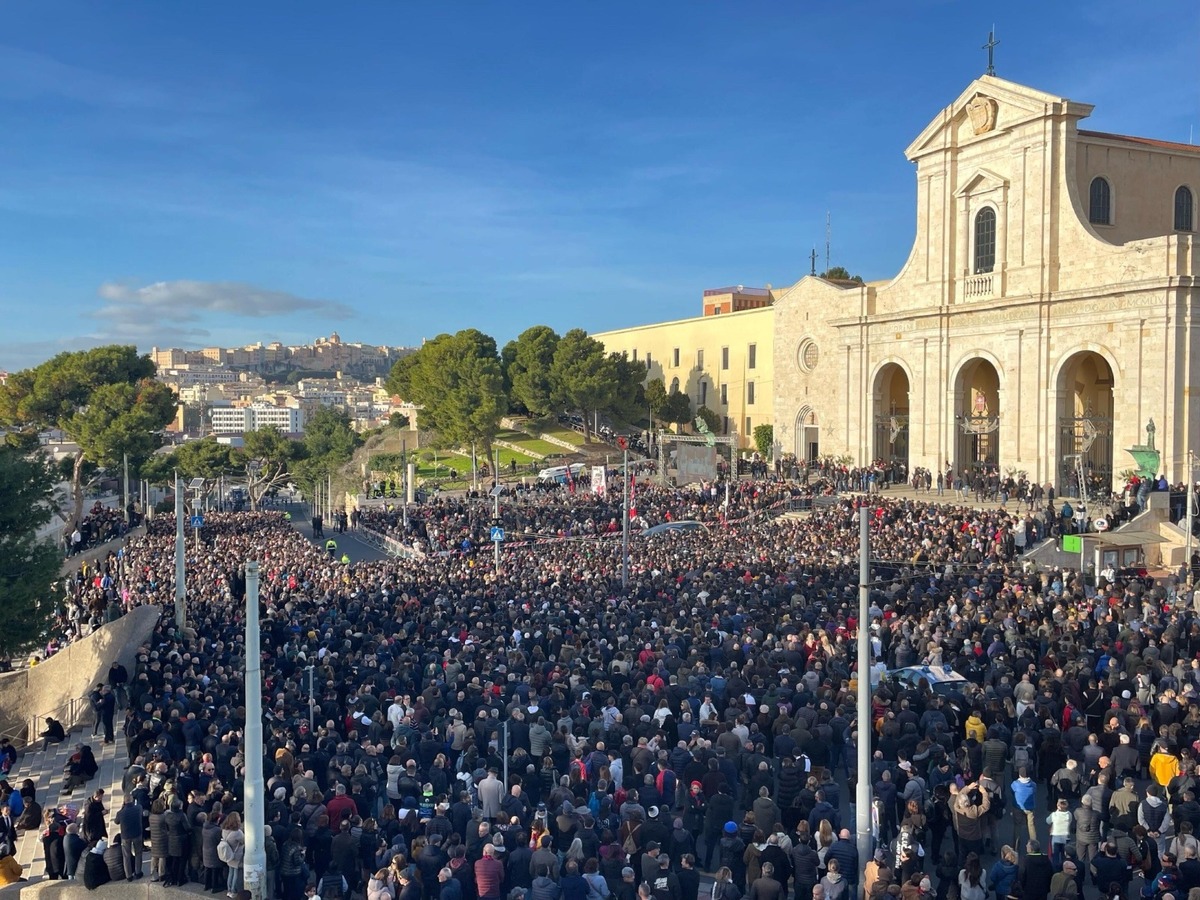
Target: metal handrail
[[25, 736]]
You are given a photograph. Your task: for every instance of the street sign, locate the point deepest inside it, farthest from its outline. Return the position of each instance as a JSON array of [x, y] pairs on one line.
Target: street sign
[[497, 533], [197, 521], [496, 491]]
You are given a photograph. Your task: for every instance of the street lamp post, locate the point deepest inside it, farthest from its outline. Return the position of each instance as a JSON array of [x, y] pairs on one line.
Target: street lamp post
[[862, 794], [255, 862], [180, 551], [623, 443], [1191, 505]]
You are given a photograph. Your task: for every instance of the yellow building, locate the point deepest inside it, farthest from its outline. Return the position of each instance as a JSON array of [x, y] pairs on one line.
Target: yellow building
[[722, 360]]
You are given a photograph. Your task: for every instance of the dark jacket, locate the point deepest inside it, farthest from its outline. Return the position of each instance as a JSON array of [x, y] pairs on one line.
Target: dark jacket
[[129, 820], [158, 834], [544, 889], [211, 836], [95, 871], [804, 864], [847, 856], [1034, 876], [1107, 870], [179, 833]]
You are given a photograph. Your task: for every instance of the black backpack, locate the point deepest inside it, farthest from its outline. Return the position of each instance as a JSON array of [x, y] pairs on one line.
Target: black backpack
[[330, 887]]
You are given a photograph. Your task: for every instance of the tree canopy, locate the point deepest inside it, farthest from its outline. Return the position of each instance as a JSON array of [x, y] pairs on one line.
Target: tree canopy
[[105, 399], [28, 567], [764, 440], [457, 380], [528, 362], [841, 273], [584, 378], [464, 388], [329, 443], [677, 409], [264, 460]]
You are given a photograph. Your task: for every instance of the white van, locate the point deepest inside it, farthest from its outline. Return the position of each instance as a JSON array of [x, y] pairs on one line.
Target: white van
[[558, 474]]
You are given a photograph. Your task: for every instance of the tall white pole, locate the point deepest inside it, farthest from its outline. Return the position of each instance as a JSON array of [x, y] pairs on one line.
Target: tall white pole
[[125, 490], [312, 697], [496, 516], [255, 861], [1191, 504], [180, 552], [862, 794], [409, 476], [625, 520]]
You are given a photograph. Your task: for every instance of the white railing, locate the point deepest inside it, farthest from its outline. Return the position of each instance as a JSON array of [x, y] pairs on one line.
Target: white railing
[[978, 286]]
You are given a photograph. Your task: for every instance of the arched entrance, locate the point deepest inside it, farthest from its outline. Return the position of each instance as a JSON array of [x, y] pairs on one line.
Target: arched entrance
[[808, 435], [889, 398], [1085, 425], [977, 417]]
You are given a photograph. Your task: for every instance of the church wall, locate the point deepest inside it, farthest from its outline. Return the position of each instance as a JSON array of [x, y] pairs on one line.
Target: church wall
[[1143, 180], [802, 321]]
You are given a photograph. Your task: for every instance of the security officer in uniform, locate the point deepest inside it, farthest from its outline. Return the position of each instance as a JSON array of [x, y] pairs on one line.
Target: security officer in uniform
[[331, 547]]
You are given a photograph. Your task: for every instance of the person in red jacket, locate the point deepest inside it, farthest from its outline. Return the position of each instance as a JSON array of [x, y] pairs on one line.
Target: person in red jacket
[[341, 807], [489, 875]]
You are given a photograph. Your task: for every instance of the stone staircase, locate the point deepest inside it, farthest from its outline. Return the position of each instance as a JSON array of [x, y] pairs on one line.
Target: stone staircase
[[46, 770]]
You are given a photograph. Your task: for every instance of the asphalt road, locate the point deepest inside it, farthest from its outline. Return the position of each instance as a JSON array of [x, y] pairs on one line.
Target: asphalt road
[[349, 543]]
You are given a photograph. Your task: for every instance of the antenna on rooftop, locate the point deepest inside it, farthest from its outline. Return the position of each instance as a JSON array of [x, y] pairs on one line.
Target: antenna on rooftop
[[828, 237]]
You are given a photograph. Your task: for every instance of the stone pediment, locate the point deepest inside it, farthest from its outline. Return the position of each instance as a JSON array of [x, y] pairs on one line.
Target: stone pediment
[[981, 181], [989, 105]]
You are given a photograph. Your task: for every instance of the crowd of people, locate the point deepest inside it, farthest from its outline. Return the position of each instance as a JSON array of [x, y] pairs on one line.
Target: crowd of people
[[542, 511], [541, 733]]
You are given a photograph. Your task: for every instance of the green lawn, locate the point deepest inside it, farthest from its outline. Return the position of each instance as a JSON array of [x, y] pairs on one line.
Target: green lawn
[[535, 445], [563, 433]]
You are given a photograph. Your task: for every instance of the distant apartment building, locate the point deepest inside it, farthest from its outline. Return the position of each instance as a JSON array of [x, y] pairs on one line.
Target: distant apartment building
[[240, 419]]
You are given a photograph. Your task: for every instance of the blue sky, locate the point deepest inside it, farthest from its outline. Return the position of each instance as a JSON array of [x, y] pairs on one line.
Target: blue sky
[[198, 174]]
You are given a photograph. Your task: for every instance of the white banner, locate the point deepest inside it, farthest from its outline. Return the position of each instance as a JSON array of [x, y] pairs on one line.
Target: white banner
[[599, 480]]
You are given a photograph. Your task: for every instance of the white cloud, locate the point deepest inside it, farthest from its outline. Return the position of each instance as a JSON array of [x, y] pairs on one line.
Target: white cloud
[[169, 303]]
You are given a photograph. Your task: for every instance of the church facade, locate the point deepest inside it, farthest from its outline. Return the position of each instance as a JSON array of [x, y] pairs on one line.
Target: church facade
[[1043, 318]]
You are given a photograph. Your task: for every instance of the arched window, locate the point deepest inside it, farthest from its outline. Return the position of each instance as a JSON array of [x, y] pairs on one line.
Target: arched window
[[674, 385], [985, 240], [1100, 202], [1183, 209]]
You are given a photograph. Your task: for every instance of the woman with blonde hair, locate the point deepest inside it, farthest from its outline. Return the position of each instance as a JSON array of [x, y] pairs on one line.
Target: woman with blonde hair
[[723, 887], [834, 884], [824, 840]]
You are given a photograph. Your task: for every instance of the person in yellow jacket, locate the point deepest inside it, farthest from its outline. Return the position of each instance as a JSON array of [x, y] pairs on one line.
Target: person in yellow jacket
[[345, 559], [1163, 765], [975, 727], [10, 871]]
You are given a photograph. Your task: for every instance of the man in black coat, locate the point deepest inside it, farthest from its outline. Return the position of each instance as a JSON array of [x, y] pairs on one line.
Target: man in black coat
[[1108, 868], [107, 709], [688, 877], [129, 821]]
